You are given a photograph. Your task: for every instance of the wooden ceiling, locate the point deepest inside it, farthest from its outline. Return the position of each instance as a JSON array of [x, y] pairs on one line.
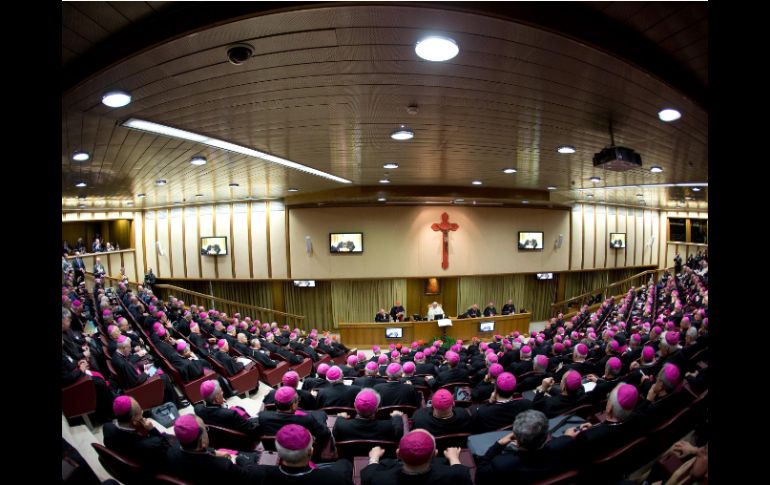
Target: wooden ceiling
[[327, 84]]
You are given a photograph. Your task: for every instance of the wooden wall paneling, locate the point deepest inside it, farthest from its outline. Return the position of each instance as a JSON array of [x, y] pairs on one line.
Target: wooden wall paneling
[[239, 229], [158, 270], [639, 231], [414, 290], [288, 242], [232, 244], [267, 240], [596, 242], [184, 241], [144, 243], [628, 234], [571, 238], [251, 249], [214, 233], [198, 240], [582, 236], [279, 302]]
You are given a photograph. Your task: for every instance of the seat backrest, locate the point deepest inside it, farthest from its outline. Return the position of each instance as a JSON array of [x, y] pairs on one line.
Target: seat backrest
[[352, 448], [231, 439], [384, 412], [120, 467], [340, 409], [268, 443], [451, 440], [170, 479]]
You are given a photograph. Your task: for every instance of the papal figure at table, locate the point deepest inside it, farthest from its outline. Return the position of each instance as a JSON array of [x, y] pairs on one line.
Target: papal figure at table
[[434, 309]]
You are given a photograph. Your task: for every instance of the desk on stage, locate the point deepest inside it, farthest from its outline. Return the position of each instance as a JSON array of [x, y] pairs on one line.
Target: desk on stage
[[366, 334]]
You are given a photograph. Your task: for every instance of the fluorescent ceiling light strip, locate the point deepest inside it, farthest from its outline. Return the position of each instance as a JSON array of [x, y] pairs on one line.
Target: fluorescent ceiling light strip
[[224, 145], [642, 186]]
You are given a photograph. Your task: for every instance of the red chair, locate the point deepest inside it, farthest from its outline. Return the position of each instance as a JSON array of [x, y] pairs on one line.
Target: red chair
[[148, 394], [272, 377], [231, 439], [120, 467], [79, 399], [304, 368], [243, 382]]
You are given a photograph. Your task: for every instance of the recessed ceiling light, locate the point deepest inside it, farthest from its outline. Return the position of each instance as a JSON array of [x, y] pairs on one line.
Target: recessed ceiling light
[[198, 160], [292, 189], [233, 185], [382, 199], [525, 202], [81, 184], [566, 149], [141, 196], [402, 134], [80, 156], [436, 48], [551, 187], [669, 114], [656, 169], [595, 179], [509, 170], [198, 195], [384, 181], [116, 99], [390, 165], [161, 182], [696, 189], [476, 182]]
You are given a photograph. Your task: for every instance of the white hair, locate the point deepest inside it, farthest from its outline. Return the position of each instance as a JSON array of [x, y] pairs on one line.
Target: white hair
[[293, 457], [210, 398]]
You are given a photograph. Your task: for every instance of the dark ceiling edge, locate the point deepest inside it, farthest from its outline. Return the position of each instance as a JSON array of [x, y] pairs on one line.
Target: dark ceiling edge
[[575, 21]]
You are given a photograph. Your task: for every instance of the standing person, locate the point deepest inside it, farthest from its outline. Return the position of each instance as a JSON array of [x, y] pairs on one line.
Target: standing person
[[99, 270], [149, 279], [66, 247], [79, 267], [677, 263]]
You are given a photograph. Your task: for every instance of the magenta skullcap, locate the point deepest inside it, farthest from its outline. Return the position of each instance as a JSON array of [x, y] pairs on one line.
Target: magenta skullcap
[[404, 351], [392, 346], [455, 348], [442, 400], [484, 346], [648, 353], [672, 373], [414, 345], [495, 370], [526, 350], [382, 359], [285, 394], [366, 402], [230, 328], [452, 357], [322, 369], [610, 333], [541, 361], [265, 326], [518, 340], [203, 315], [568, 343], [636, 338], [670, 325], [416, 447], [352, 359], [76, 303], [156, 325], [375, 348], [208, 388], [627, 396], [334, 373], [428, 351], [408, 367], [560, 330], [508, 346], [572, 380], [186, 429], [592, 336], [394, 354], [657, 330], [292, 336], [672, 338], [121, 405], [492, 358], [419, 355], [515, 334], [533, 334], [111, 328], [614, 364], [193, 325], [180, 346], [582, 349], [557, 338], [152, 309], [221, 343], [539, 340], [293, 437], [121, 339], [372, 366], [506, 382], [614, 345], [706, 322], [106, 313], [558, 347], [160, 331], [575, 335], [314, 343], [158, 314], [290, 378], [437, 343], [393, 369], [361, 356]]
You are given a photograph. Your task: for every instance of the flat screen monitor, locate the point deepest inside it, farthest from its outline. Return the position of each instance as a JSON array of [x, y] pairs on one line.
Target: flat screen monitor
[[438, 316], [394, 332], [346, 242], [545, 276], [486, 326], [530, 241], [304, 283], [214, 246], [617, 240]]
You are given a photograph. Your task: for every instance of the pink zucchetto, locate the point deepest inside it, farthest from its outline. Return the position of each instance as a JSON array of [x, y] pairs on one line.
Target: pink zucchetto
[[515, 334], [539, 340], [492, 358], [672, 338], [495, 370], [156, 325], [366, 402], [614, 345], [159, 314], [290, 378], [414, 345], [76, 303], [394, 354], [375, 348], [533, 334], [442, 400], [186, 429], [575, 336], [627, 396], [371, 366], [360, 356], [408, 367], [404, 351], [567, 343], [160, 331], [419, 356], [230, 328], [352, 359], [558, 348], [292, 336], [648, 353], [557, 338], [508, 346], [392, 346], [208, 388], [582, 349], [106, 313], [506, 382], [221, 343], [670, 325], [572, 380], [121, 405], [428, 351], [121, 339], [706, 322], [636, 338], [181, 345], [285, 394], [203, 315], [293, 437], [541, 361], [483, 346], [526, 350], [452, 357], [455, 348], [393, 369], [322, 369], [334, 374], [382, 359], [111, 328], [614, 364], [672, 373], [417, 447]]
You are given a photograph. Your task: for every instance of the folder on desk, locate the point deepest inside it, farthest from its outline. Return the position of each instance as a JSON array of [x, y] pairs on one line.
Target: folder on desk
[[444, 322]]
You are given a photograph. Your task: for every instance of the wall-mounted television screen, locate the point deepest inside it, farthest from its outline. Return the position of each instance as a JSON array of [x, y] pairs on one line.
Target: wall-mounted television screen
[[394, 332], [346, 243], [214, 246], [486, 326], [545, 276], [304, 283], [530, 240], [617, 240]]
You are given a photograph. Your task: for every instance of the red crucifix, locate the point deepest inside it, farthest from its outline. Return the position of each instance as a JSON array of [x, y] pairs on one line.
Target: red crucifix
[[445, 227]]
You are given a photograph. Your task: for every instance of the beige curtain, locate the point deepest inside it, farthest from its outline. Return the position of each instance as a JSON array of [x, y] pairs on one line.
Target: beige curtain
[[526, 291], [589, 281], [315, 304], [360, 300]]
